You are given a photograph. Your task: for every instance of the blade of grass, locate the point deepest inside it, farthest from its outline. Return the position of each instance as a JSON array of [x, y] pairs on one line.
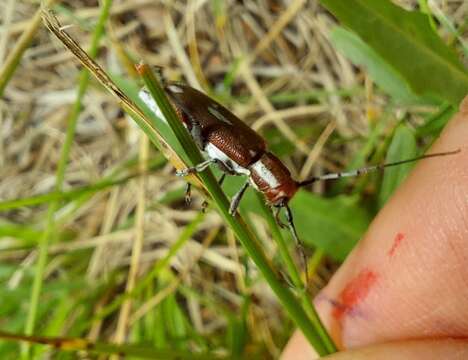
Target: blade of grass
[[384, 75], [315, 261], [402, 146], [313, 330], [60, 175], [14, 57]]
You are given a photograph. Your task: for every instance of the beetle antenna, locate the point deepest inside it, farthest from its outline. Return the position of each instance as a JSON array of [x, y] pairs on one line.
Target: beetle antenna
[[299, 244], [367, 169]]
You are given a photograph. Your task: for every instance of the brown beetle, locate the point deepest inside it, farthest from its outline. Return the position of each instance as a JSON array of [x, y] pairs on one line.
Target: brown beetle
[[239, 150]]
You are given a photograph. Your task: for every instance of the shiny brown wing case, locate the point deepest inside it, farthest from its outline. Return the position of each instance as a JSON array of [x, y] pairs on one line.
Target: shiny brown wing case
[[226, 131]]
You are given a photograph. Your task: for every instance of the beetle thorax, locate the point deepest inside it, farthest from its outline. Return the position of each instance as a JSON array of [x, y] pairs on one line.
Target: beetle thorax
[[273, 179]]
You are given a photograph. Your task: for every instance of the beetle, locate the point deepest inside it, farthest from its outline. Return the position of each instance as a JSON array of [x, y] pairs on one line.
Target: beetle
[[237, 149], [230, 143]]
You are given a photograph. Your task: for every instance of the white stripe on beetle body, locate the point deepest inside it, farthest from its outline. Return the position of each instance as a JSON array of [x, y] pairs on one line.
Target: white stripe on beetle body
[[265, 174], [215, 153], [146, 97]]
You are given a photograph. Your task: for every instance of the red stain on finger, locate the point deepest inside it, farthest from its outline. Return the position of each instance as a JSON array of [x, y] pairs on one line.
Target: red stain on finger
[[350, 297], [396, 243], [354, 292]]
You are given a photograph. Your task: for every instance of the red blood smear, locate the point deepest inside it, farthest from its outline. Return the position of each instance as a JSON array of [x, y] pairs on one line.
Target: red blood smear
[[356, 291], [396, 242]]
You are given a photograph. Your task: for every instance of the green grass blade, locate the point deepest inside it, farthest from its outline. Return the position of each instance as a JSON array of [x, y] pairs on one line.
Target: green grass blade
[[384, 75], [403, 146]]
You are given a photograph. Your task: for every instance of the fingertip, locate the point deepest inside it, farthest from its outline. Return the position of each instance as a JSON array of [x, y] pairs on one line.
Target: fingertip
[[447, 349], [413, 258], [298, 348]]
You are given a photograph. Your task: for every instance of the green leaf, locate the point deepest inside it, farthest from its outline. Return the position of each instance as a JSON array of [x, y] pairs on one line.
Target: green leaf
[[403, 146], [384, 75], [408, 43], [331, 224]]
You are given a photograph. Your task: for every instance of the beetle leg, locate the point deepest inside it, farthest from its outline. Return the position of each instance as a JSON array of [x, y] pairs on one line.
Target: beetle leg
[[224, 167], [300, 245], [237, 198], [204, 204], [276, 212], [196, 133], [195, 169], [188, 194]]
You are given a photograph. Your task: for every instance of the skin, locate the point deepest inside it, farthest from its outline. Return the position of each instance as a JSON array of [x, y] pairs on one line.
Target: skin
[[404, 288]]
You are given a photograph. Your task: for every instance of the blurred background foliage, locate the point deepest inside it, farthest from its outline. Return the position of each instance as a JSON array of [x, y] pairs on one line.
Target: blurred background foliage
[[331, 85]]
